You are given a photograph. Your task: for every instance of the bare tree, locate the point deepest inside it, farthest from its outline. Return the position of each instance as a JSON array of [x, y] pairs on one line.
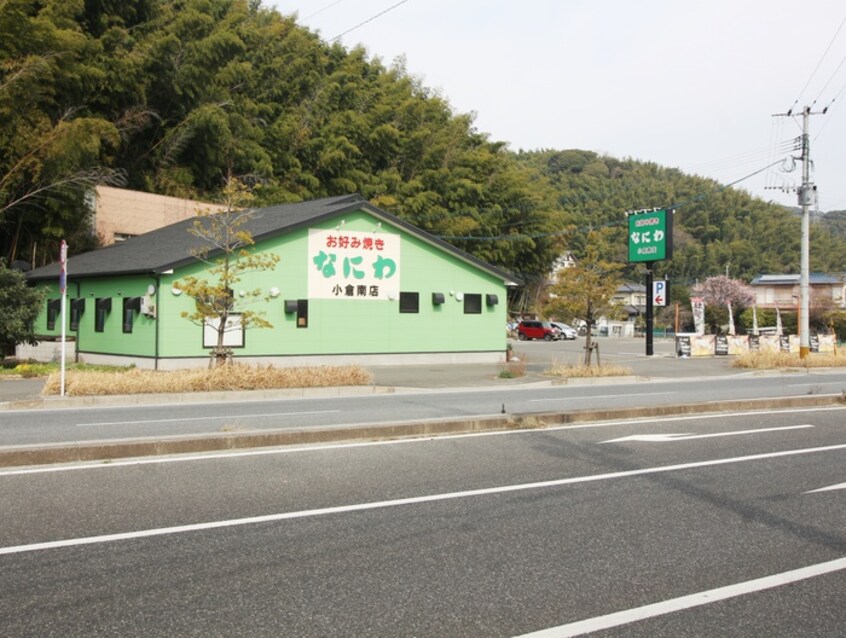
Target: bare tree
[[229, 255]]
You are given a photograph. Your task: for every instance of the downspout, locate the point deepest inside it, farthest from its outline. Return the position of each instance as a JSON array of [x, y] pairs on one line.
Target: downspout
[[78, 330], [158, 279]]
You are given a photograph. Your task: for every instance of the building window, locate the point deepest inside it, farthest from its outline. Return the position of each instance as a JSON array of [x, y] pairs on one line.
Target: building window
[[472, 304], [131, 305], [102, 307], [409, 302], [54, 307], [77, 307], [302, 313]]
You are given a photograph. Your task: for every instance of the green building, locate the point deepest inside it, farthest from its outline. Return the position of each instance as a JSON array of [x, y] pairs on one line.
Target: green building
[[354, 284]]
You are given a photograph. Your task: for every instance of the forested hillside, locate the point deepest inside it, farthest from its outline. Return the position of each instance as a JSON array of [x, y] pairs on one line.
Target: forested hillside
[[716, 229], [835, 222], [170, 96]]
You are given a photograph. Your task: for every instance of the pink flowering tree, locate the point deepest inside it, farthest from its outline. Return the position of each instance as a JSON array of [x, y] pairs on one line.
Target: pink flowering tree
[[724, 291]]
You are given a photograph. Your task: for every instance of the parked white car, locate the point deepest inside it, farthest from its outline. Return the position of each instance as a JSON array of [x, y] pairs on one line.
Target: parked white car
[[567, 332]]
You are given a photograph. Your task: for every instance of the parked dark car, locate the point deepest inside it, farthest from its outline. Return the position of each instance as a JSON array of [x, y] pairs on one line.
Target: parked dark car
[[530, 329]]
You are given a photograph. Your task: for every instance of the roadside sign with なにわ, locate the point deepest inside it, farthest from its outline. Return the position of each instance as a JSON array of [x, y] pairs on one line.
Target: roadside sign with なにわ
[[650, 235], [650, 239]]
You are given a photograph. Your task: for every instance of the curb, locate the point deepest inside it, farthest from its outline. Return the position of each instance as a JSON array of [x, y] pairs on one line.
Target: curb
[[119, 400], [110, 450]]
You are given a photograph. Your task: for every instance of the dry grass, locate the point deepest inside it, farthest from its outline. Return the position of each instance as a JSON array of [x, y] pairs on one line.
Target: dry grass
[[231, 377], [514, 368], [773, 360], [570, 371], [524, 423]]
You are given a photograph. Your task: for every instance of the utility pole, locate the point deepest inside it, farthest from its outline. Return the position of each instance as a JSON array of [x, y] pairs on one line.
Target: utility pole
[[807, 196]]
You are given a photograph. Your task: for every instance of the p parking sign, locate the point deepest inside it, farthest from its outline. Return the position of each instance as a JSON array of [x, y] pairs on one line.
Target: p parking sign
[[660, 292], [650, 235]]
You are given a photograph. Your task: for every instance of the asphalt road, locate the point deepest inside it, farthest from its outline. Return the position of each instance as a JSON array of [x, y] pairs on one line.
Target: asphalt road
[[156, 420], [692, 528]]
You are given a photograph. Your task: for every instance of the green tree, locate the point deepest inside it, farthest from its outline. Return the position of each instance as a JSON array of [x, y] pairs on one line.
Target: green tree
[[21, 305], [835, 320], [586, 290], [227, 253], [53, 151]]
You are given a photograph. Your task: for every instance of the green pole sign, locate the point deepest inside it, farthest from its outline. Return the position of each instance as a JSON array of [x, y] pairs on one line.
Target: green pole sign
[[650, 235]]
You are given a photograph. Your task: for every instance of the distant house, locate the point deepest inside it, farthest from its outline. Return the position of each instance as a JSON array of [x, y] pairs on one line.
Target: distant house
[[632, 297], [120, 213], [782, 291], [562, 262], [354, 284]]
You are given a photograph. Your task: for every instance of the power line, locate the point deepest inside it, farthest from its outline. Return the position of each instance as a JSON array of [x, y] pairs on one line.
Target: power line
[[370, 19], [748, 157], [829, 107], [828, 48], [829, 82], [319, 11]]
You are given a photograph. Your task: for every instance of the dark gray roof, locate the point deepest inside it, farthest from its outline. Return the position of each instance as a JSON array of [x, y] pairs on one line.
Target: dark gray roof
[[630, 287], [788, 279], [170, 247]]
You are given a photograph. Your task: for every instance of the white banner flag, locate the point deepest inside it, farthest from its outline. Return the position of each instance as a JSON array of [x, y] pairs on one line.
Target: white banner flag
[[698, 314]]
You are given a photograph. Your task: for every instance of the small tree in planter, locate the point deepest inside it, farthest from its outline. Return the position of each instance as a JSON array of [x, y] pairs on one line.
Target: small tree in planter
[[586, 290], [227, 253]]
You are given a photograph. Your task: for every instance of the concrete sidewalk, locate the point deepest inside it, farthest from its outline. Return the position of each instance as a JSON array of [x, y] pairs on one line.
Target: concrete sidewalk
[[26, 393]]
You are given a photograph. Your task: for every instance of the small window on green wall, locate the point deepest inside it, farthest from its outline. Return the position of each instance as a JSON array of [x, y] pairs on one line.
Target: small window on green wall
[[472, 304], [302, 313], [102, 307], [77, 307], [54, 307], [409, 302]]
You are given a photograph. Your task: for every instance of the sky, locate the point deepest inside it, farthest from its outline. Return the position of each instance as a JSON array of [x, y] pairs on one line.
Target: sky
[[684, 84]]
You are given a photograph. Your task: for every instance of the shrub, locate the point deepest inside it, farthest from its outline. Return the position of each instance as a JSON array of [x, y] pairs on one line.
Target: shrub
[[567, 370], [230, 377], [772, 360], [515, 366], [33, 370]]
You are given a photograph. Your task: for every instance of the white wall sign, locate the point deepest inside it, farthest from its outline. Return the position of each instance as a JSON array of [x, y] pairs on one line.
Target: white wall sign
[[345, 264], [233, 334]]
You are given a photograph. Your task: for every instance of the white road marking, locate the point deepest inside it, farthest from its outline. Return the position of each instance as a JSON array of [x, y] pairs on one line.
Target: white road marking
[[812, 385], [581, 397], [667, 438], [628, 616], [693, 417], [359, 507], [205, 418], [187, 458], [830, 488]]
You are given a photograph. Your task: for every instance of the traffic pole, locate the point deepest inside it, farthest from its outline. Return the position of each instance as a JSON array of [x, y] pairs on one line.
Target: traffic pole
[[649, 309], [63, 289]]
